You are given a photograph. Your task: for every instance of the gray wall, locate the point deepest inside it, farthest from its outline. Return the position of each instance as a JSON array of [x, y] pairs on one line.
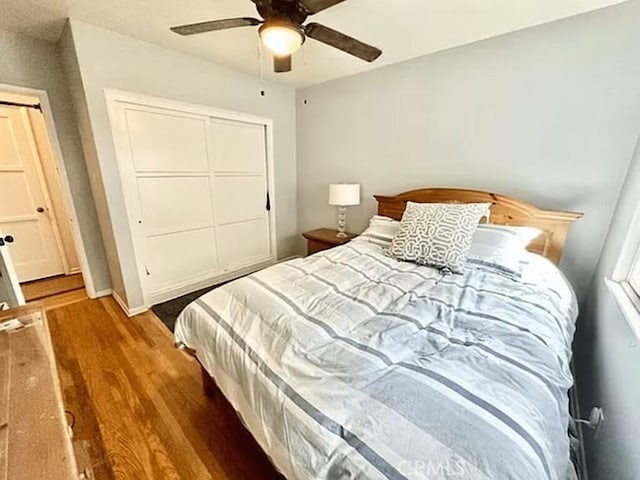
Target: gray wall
[[74, 79], [549, 115], [607, 357], [31, 63], [107, 60]]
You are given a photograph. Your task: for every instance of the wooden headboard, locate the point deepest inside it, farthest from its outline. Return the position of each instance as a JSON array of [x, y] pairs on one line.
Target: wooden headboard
[[504, 211]]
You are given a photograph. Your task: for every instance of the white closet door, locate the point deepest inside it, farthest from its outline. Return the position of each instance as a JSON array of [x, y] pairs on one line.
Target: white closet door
[[170, 162], [195, 189], [240, 192]]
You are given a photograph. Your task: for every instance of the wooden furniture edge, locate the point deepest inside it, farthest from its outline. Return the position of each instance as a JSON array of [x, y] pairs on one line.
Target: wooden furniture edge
[[314, 235], [22, 310], [505, 210], [38, 439]]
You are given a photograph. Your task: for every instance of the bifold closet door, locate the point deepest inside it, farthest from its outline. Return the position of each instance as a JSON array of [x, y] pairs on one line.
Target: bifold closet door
[[171, 175], [240, 192]]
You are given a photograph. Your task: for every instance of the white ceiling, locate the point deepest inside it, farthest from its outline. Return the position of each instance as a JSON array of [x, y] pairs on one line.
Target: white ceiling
[[403, 29]]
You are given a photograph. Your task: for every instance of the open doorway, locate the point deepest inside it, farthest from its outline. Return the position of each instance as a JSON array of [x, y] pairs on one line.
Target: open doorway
[[35, 212]]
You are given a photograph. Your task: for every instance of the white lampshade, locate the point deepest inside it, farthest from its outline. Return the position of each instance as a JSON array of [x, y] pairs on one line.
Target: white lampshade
[[281, 37], [344, 194]]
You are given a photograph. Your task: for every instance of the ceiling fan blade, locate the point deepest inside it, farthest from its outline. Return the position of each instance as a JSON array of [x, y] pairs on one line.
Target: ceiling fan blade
[[315, 6], [342, 42], [282, 64], [213, 25]]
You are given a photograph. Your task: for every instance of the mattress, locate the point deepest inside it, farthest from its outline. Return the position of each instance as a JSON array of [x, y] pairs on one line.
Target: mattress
[[351, 365]]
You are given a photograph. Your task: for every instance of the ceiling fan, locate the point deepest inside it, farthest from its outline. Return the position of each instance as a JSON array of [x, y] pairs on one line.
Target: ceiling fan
[[282, 30]]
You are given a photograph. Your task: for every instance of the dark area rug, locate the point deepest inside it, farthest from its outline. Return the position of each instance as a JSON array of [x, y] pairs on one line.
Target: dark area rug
[[168, 311]]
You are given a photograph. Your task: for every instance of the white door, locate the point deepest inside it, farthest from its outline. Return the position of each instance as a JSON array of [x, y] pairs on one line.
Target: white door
[[169, 171], [239, 172], [10, 291], [25, 208]]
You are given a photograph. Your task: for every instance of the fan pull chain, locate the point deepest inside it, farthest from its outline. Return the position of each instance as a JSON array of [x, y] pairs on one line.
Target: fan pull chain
[[261, 63]]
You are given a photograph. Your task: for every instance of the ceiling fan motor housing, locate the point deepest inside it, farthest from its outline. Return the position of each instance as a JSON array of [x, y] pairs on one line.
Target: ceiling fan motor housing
[[285, 10]]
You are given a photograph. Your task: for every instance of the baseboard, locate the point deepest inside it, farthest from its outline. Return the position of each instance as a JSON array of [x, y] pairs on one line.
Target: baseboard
[[286, 259], [103, 293], [130, 312], [175, 291]]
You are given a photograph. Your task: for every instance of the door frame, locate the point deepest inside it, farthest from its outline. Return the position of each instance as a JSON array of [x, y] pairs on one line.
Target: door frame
[[58, 158], [114, 97]]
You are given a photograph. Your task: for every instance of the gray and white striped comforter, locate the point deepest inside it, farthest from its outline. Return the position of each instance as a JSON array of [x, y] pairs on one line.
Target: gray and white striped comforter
[[349, 364]]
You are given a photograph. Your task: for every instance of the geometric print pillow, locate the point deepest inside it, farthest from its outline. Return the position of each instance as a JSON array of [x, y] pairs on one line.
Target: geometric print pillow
[[437, 234]]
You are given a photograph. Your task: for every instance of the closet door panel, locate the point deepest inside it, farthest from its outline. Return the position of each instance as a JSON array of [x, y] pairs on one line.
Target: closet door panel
[[173, 204], [244, 243], [238, 147], [163, 141], [181, 257], [238, 154], [240, 198]]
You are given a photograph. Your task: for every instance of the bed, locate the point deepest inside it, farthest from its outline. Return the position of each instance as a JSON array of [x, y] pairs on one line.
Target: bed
[[351, 365]]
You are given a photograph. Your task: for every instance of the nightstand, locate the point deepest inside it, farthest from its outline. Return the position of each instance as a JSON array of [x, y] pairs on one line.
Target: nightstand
[[323, 239]]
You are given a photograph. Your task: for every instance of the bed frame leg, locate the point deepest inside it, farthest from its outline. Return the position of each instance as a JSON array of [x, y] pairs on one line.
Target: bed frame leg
[[208, 385]]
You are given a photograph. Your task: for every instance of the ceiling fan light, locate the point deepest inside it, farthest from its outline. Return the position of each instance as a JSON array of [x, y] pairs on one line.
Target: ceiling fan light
[[282, 38]]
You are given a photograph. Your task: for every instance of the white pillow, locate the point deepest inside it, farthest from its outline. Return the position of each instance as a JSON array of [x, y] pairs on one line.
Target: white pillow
[[501, 240], [501, 247], [380, 231]]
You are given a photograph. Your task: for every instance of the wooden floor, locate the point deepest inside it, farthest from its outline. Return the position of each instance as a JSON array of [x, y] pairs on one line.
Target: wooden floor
[[140, 412], [47, 287]]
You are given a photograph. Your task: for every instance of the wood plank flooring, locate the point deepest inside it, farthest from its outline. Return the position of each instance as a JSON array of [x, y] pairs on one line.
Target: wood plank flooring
[[63, 299], [140, 411], [47, 287]]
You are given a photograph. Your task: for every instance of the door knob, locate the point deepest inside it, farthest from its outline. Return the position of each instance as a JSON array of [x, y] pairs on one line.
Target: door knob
[[39, 209]]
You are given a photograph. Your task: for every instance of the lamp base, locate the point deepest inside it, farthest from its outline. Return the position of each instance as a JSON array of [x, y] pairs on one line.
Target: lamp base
[[342, 221]]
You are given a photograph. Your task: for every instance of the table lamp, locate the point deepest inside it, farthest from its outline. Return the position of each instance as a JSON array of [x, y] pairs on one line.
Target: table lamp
[[343, 195]]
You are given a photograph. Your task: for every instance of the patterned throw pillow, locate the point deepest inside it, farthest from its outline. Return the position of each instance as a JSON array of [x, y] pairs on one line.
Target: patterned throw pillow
[[437, 234]]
